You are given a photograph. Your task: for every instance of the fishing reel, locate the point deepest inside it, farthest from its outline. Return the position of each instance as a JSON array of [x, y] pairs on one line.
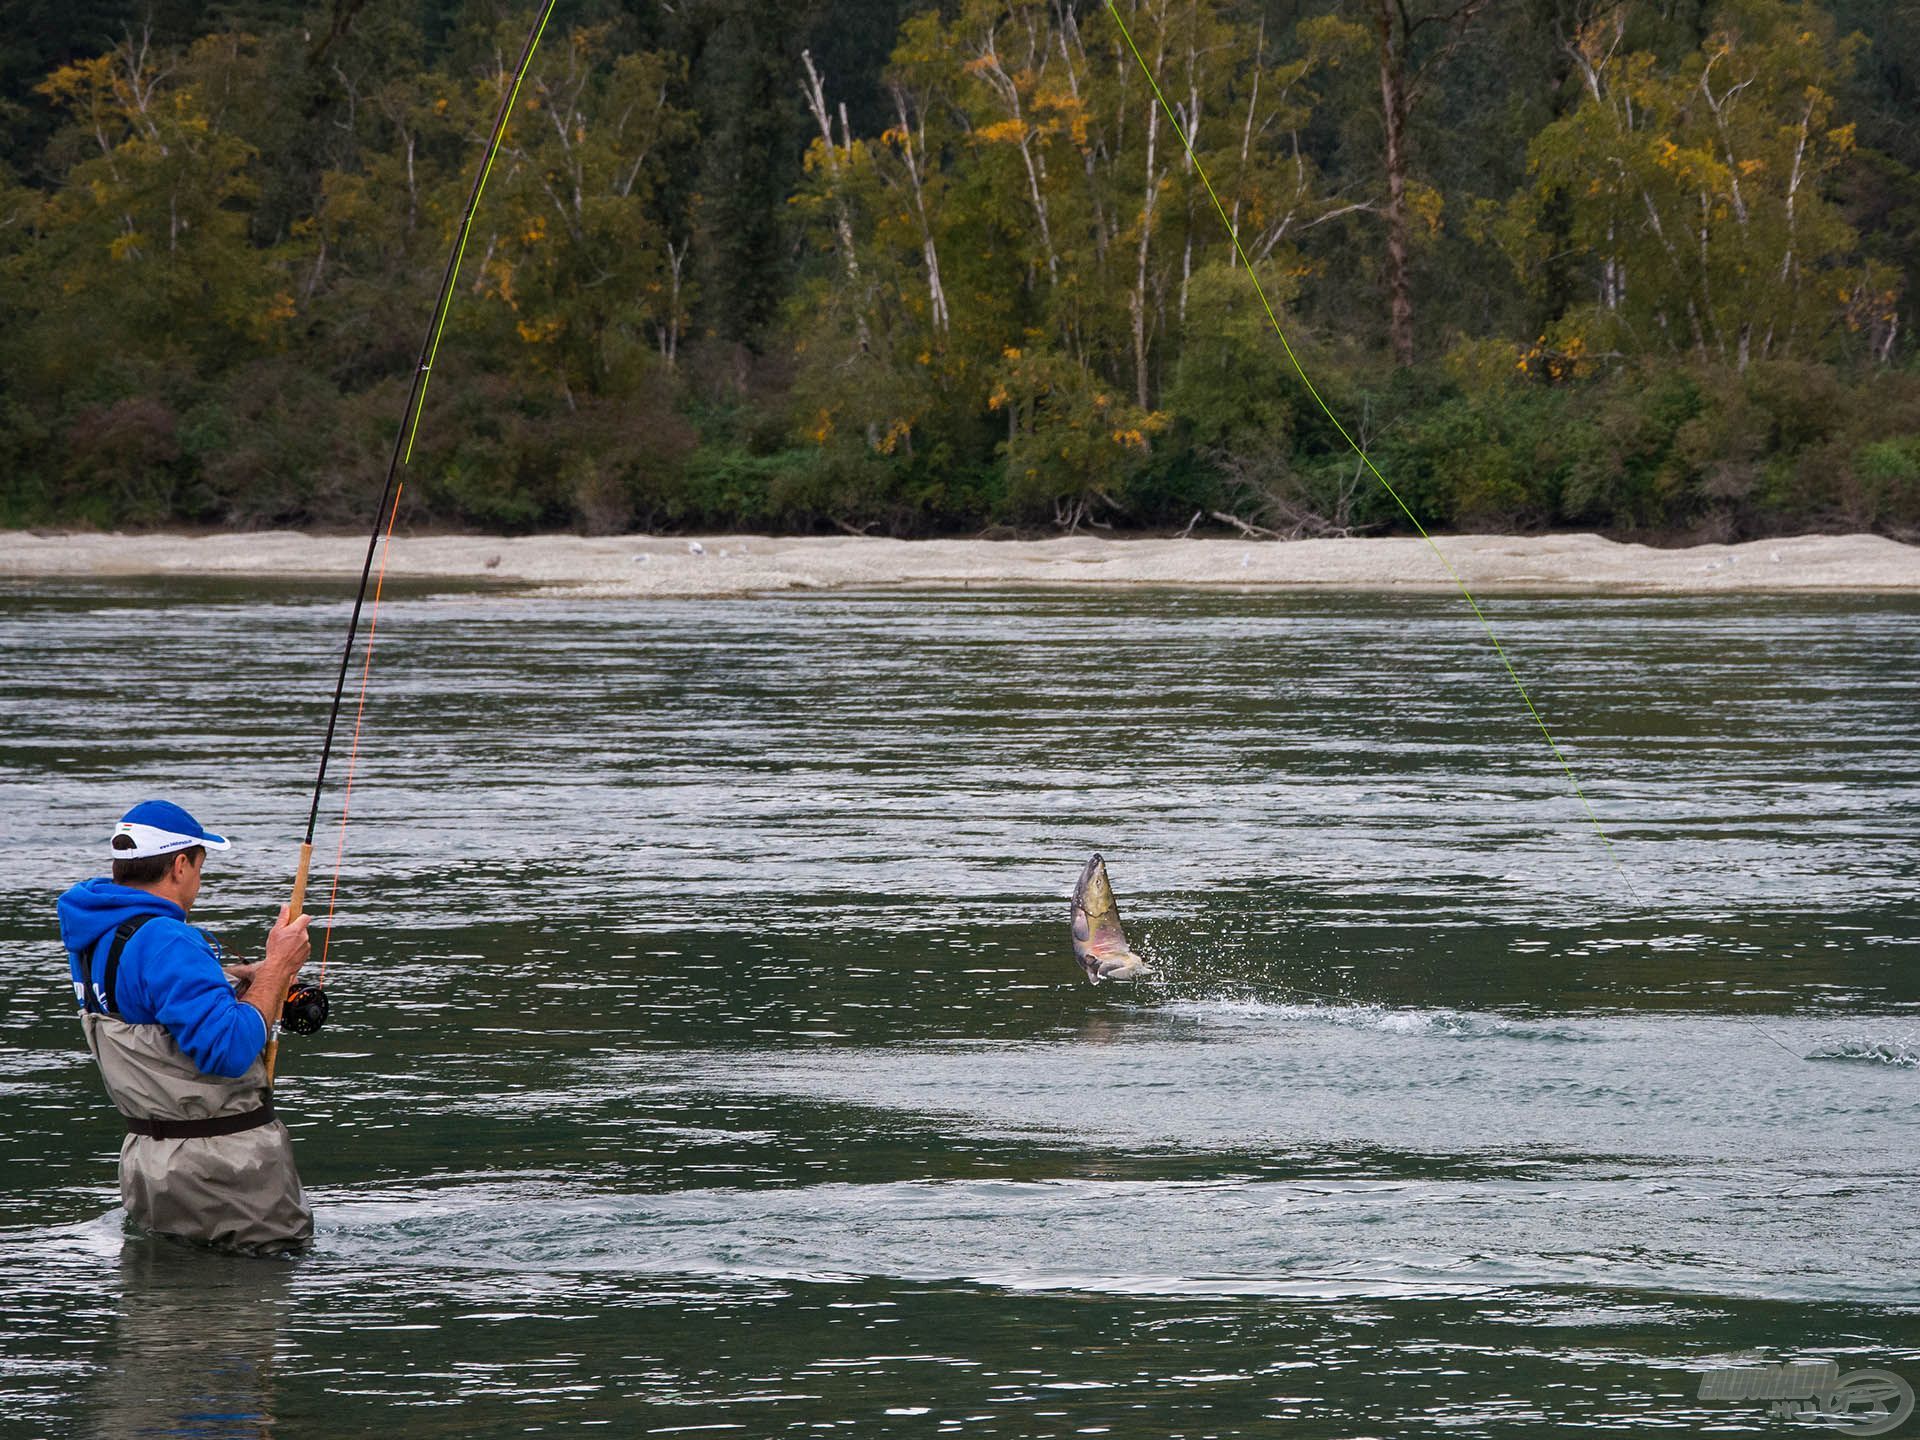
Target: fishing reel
[[305, 1010]]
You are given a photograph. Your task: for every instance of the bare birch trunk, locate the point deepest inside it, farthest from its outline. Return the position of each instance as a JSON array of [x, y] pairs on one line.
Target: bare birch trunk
[[1009, 92], [1246, 130], [936, 292], [1793, 195], [1393, 109], [670, 332], [1186, 163], [816, 95], [413, 188], [1138, 300]]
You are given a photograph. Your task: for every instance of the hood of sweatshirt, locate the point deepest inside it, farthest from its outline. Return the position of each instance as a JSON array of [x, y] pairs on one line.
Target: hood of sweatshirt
[[94, 907]]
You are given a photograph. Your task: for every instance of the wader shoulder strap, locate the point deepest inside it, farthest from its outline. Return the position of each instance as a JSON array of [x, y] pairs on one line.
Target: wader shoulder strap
[[104, 1001]]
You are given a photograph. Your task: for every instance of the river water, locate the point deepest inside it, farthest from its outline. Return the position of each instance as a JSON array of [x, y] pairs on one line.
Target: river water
[[709, 1055]]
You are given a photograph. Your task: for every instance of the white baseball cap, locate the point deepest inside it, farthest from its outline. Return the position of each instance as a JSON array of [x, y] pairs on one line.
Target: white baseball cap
[[159, 827]]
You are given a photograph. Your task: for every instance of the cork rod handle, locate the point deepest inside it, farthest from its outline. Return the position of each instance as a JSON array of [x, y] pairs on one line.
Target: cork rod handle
[[296, 907]]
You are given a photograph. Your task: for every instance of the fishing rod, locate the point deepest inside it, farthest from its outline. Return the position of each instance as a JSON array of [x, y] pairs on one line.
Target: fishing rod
[[306, 1005]]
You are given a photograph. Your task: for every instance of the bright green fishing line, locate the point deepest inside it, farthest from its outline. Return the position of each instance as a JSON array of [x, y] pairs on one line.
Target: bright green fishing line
[[1365, 459], [466, 229]]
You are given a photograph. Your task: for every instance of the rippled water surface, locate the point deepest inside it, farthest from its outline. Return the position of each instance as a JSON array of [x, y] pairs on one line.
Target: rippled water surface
[[709, 1056]]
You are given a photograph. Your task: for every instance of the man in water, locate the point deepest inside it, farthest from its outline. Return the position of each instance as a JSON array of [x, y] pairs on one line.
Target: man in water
[[180, 1041]]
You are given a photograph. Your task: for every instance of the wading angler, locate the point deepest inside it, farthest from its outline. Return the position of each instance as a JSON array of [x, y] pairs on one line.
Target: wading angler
[[181, 1039]]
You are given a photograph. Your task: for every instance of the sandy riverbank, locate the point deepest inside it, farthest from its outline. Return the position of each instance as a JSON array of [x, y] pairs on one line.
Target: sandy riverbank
[[736, 565]]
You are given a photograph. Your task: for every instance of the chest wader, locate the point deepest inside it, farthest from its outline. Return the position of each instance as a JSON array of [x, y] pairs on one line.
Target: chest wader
[[205, 1157]]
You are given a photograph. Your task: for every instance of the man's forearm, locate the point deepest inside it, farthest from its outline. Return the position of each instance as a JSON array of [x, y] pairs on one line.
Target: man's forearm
[[268, 992]]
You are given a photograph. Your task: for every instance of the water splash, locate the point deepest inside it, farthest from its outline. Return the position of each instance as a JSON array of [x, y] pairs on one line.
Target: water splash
[[1902, 1054], [1382, 1019]]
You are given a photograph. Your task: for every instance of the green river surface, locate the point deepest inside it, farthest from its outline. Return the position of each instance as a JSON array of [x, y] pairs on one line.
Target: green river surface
[[709, 1056]]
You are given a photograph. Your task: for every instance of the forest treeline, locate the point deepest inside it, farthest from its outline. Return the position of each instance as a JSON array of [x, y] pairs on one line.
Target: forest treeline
[[1645, 266]]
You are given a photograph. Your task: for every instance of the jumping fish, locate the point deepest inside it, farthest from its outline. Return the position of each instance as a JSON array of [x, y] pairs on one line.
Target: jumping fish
[[1098, 941]]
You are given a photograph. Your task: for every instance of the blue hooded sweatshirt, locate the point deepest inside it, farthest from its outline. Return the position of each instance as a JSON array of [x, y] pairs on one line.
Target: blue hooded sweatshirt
[[169, 974]]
